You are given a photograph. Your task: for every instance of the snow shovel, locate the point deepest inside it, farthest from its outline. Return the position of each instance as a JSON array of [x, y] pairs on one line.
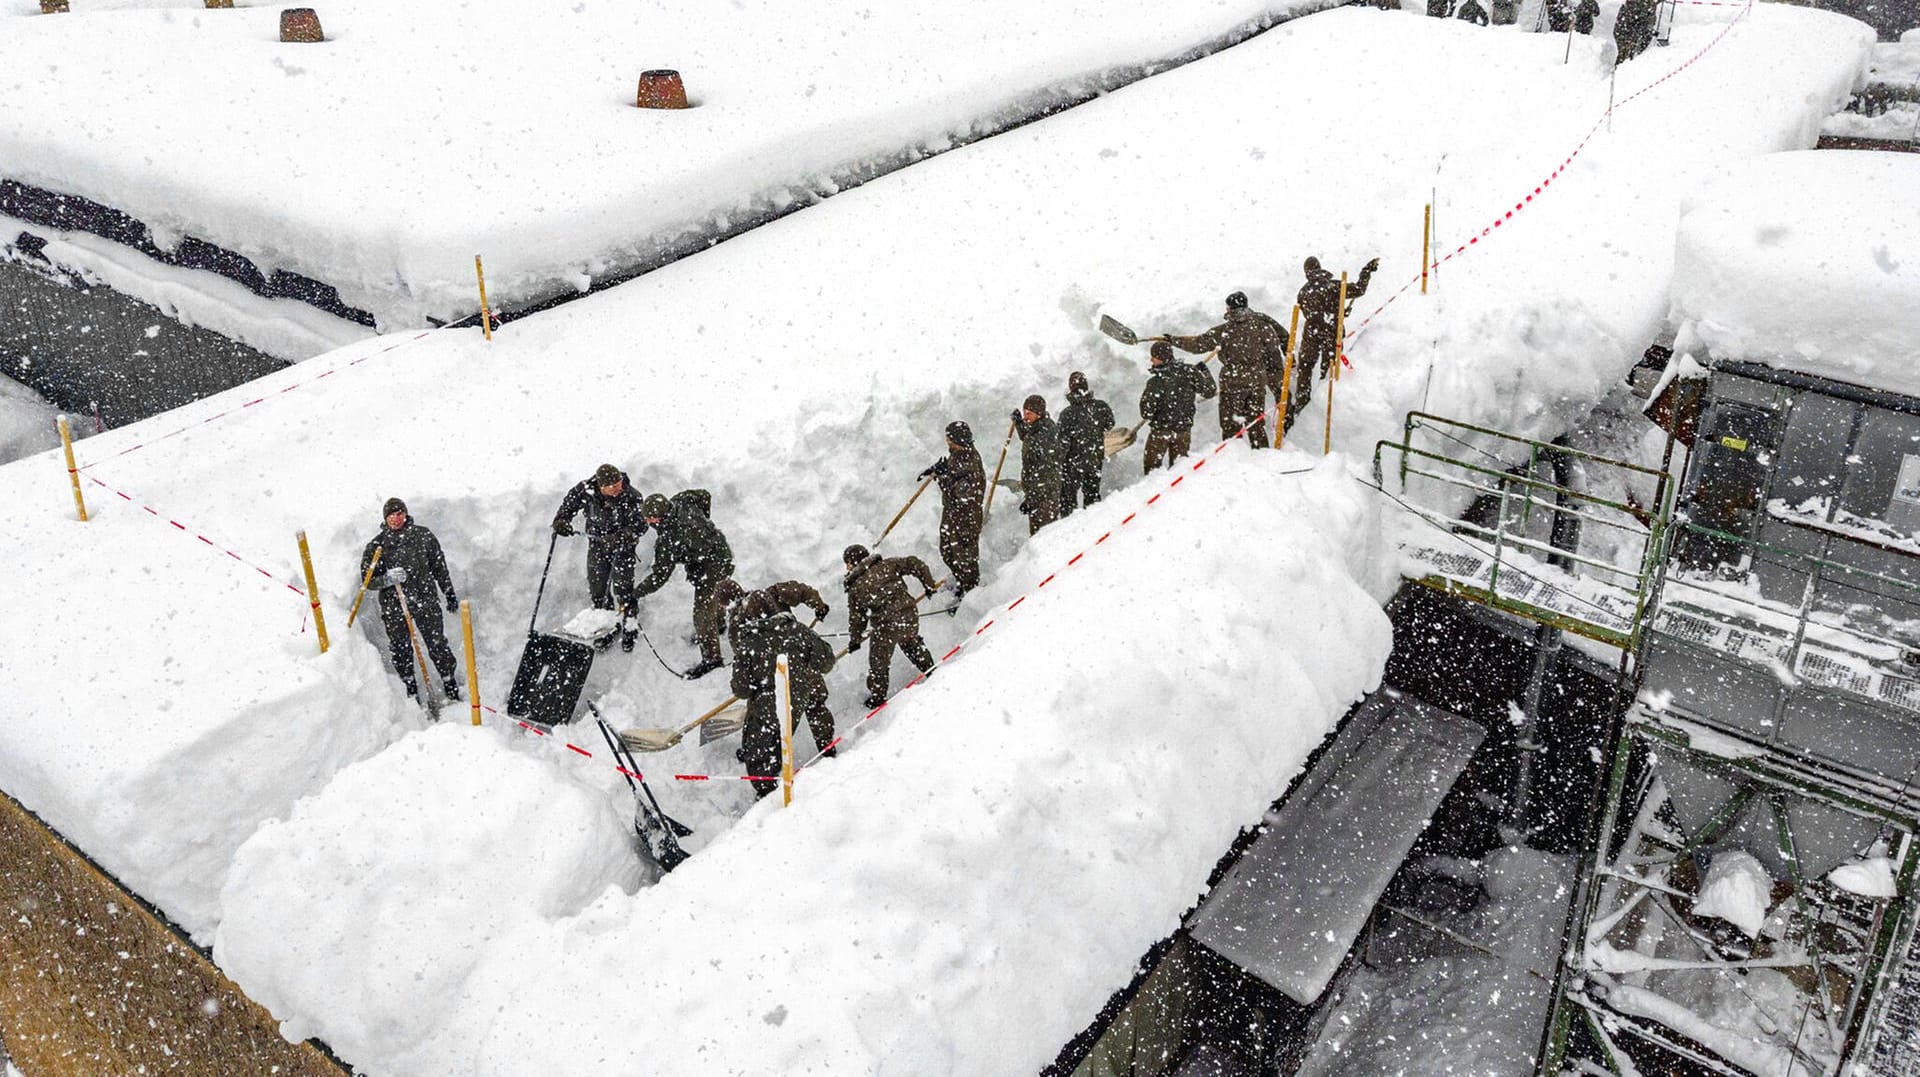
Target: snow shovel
[[658, 831], [422, 678], [1117, 440], [898, 516], [1121, 333], [659, 740]]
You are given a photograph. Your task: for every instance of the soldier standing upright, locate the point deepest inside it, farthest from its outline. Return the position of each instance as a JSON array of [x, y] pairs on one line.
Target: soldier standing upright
[[878, 600], [1040, 477], [1253, 353], [412, 564], [614, 528], [1084, 423], [761, 635], [1168, 403], [686, 537], [963, 488], [1319, 315]]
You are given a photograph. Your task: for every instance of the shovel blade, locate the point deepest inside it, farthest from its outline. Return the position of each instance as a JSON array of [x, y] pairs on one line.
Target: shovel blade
[[649, 740], [1117, 331], [1118, 439]]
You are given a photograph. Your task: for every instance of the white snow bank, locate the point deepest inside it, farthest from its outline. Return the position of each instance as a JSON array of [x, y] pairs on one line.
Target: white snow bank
[[1737, 889], [1827, 285], [421, 133], [407, 866], [26, 422], [1022, 826]]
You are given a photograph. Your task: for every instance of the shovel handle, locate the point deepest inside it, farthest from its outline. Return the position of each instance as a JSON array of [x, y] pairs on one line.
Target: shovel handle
[[987, 509], [898, 516], [364, 582]]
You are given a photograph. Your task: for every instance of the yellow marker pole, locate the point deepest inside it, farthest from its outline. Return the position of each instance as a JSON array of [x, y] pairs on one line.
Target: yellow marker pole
[[1339, 348], [73, 472], [1426, 247], [486, 315], [473, 675], [783, 697], [364, 582], [1286, 380], [313, 591]]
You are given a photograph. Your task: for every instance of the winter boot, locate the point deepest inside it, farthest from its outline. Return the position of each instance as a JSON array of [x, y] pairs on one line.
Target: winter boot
[[413, 687], [873, 701], [452, 689], [706, 666], [629, 630]]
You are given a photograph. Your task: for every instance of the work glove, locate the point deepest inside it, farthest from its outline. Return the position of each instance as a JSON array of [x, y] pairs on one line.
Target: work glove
[[1025, 509], [1373, 265], [396, 575], [562, 528], [853, 644], [1017, 417], [820, 612], [453, 603]]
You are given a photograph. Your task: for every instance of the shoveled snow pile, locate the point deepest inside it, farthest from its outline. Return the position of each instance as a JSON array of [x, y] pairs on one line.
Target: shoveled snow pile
[[1827, 285], [454, 827], [26, 422], [992, 840], [1737, 889], [1871, 877], [803, 373], [381, 160]]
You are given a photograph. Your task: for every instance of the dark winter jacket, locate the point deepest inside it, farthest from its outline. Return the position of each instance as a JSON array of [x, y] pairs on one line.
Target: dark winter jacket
[[877, 595], [414, 549], [1253, 348], [787, 596], [1041, 458], [686, 537], [1320, 306], [758, 643], [963, 489], [606, 516], [1084, 423], [1168, 401]]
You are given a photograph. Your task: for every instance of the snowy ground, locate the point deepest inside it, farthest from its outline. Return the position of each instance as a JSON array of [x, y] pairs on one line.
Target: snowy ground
[[26, 422], [1037, 797], [437, 129]]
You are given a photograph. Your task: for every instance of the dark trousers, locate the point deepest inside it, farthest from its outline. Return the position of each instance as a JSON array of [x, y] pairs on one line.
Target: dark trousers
[[1167, 445], [426, 621], [880, 655], [709, 612], [1240, 407], [1315, 354], [610, 573], [1081, 489], [960, 549], [1042, 511], [760, 738]]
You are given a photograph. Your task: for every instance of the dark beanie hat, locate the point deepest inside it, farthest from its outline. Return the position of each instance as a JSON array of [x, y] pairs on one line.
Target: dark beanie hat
[[655, 507], [854, 554], [960, 434], [606, 475], [1076, 382], [392, 506], [1161, 350], [1036, 404], [1237, 301]]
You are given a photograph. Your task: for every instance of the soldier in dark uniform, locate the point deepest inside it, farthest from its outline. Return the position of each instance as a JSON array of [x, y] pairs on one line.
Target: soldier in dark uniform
[[786, 596], [1253, 354], [878, 601], [1319, 316], [614, 527], [412, 564], [686, 537], [1084, 423], [1040, 460], [1168, 403], [963, 489], [761, 634]]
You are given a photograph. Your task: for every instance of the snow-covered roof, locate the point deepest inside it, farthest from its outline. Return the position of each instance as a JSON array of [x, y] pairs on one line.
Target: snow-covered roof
[[422, 133], [1806, 261]]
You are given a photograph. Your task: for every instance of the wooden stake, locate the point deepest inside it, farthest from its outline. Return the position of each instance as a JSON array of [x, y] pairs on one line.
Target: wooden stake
[[73, 472], [1339, 352], [473, 675], [1426, 246], [783, 697], [423, 680], [486, 315], [903, 510], [364, 581], [313, 591], [991, 486], [1286, 380]]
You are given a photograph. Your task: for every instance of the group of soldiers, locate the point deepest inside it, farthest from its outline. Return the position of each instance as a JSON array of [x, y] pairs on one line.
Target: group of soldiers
[[1061, 463]]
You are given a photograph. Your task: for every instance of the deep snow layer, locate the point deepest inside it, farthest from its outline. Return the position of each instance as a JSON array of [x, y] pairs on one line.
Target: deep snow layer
[[803, 373], [420, 134], [1828, 285], [26, 421]]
